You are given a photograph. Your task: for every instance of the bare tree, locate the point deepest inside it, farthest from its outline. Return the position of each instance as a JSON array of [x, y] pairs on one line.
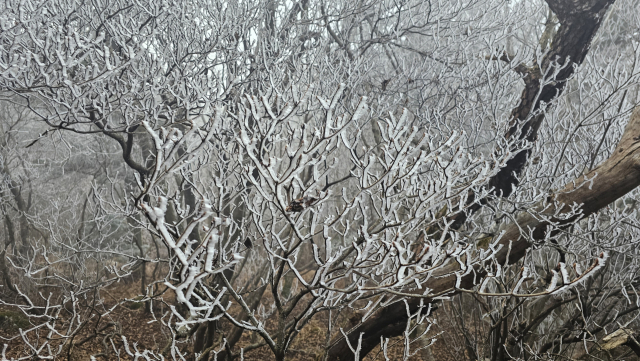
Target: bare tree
[[358, 163]]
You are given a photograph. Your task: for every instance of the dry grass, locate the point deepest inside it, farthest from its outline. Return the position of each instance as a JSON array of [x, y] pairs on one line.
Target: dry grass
[[131, 320]]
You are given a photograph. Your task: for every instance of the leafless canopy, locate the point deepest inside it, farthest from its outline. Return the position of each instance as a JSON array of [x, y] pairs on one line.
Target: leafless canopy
[[392, 173]]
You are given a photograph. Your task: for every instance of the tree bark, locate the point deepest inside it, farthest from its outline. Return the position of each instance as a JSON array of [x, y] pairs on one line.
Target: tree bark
[[579, 22], [622, 337]]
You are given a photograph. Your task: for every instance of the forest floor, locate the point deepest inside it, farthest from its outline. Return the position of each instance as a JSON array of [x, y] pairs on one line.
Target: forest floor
[[142, 330]]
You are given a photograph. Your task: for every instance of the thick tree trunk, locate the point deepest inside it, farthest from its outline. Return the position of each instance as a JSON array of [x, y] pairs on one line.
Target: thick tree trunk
[[615, 177], [579, 22]]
